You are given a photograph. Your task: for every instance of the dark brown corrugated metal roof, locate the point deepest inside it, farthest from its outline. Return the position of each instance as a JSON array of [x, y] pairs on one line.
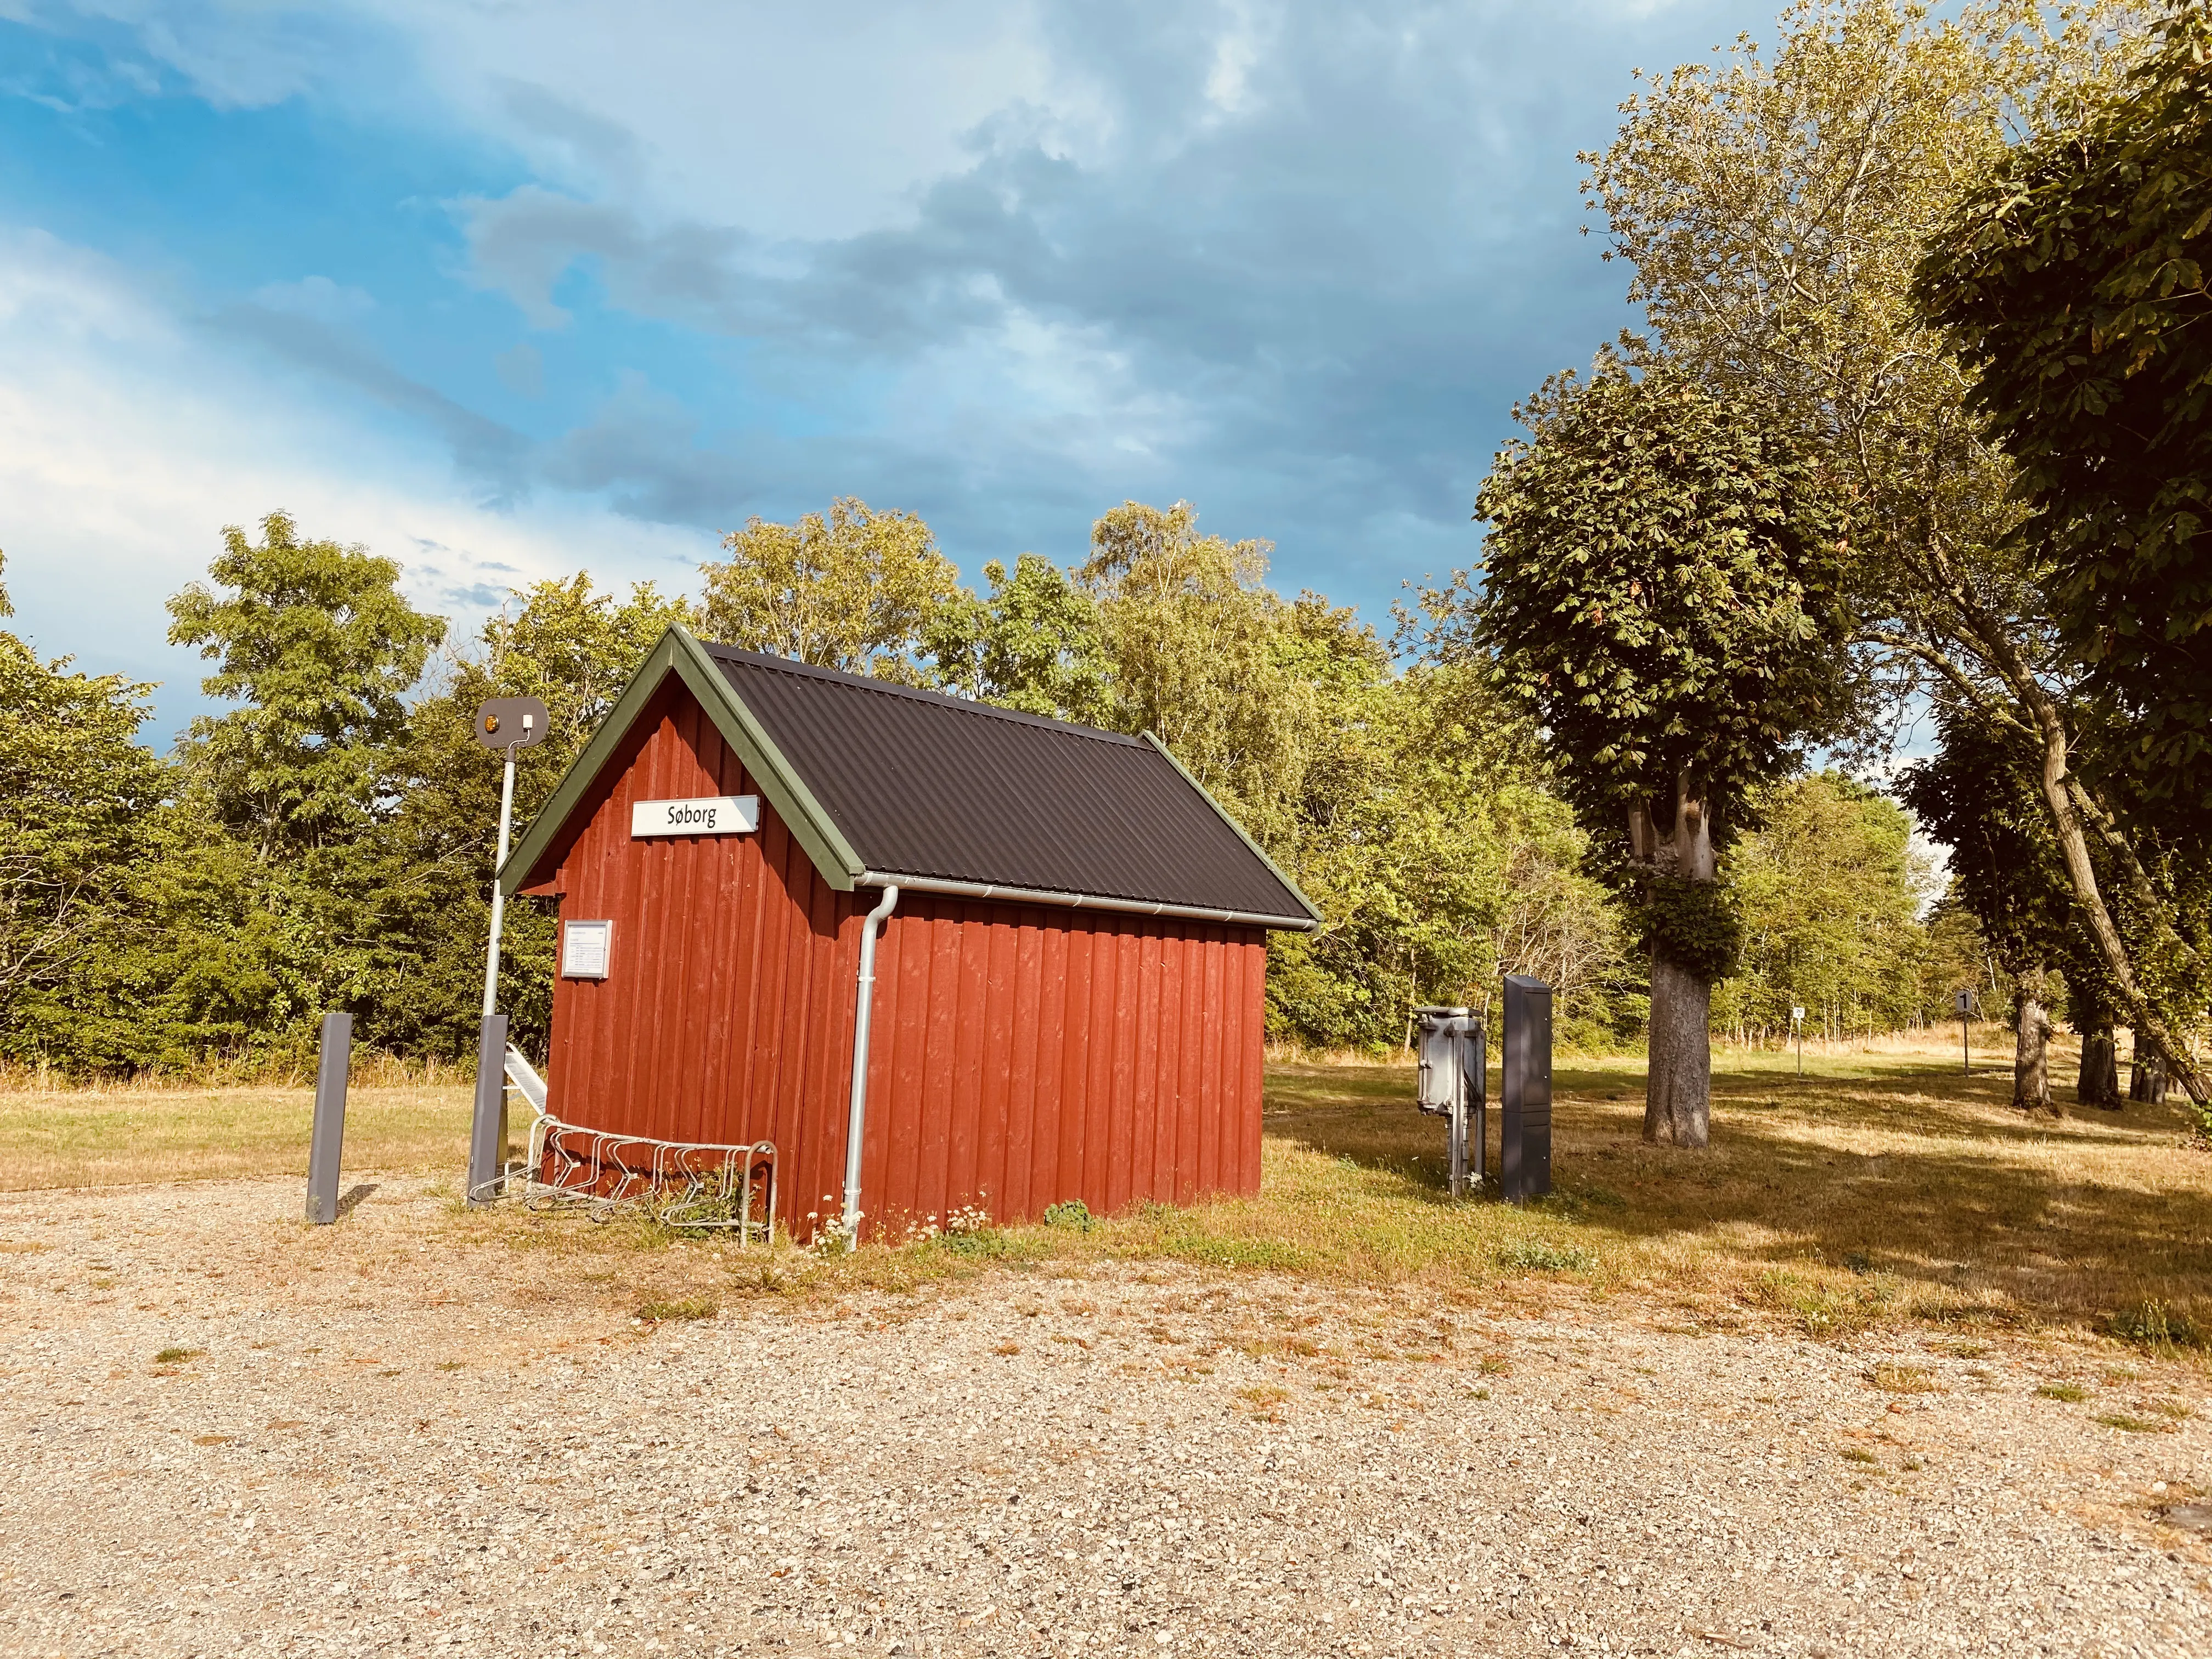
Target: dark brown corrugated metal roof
[[922, 784]]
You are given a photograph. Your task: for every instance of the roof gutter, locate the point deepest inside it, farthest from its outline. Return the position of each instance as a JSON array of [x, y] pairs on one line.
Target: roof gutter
[[976, 890]]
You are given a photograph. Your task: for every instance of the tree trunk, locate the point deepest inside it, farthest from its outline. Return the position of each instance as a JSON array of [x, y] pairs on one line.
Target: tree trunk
[[2031, 1054], [2147, 1082], [2058, 793], [2064, 796], [1677, 840], [2099, 1084], [1677, 1088]]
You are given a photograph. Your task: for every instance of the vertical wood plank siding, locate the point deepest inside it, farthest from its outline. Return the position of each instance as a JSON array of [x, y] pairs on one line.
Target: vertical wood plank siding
[[1024, 1055], [1021, 1053], [727, 1014]]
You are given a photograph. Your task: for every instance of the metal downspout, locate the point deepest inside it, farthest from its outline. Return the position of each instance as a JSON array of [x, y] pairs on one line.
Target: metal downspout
[[856, 1119]]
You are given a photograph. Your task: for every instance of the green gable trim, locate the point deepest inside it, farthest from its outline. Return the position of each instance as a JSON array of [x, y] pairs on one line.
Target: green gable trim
[[1223, 813], [678, 653]]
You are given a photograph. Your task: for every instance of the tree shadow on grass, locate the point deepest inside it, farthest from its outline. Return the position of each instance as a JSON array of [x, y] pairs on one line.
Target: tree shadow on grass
[[1927, 1186]]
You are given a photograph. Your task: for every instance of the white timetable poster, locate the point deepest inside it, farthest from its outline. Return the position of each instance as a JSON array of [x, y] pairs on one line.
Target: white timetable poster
[[584, 948]]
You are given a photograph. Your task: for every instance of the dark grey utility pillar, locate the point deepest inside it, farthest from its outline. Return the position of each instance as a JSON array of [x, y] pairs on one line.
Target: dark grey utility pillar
[[488, 1129], [327, 1139], [1524, 1152]]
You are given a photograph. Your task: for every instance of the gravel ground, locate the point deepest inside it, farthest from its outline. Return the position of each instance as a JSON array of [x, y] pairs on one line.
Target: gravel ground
[[387, 1439]]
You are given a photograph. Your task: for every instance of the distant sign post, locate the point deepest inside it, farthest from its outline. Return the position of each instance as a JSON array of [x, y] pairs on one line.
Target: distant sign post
[[1963, 1000], [503, 725], [1797, 1031]]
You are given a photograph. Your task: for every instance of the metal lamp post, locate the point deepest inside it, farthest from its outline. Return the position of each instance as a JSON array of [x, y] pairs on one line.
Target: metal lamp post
[[1963, 1000], [503, 725], [1797, 1031]]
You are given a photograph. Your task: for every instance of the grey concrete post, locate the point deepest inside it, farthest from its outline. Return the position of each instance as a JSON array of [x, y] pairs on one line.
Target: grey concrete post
[[488, 1129], [327, 1140]]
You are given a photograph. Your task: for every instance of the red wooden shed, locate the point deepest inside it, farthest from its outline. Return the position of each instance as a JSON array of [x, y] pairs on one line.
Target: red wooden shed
[[1038, 949]]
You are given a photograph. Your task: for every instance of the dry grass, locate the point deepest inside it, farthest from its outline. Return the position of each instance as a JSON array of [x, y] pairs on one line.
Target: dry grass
[[111, 1136], [1883, 1188]]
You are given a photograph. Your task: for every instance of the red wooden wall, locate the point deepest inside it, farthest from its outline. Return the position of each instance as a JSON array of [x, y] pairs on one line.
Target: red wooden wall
[[1025, 1053], [1020, 1053]]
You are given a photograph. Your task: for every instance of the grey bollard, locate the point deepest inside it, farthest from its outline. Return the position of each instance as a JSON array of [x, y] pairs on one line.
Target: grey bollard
[[488, 1129], [1524, 1152], [327, 1140]]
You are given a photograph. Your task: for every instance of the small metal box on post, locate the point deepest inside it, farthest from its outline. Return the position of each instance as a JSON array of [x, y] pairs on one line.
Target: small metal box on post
[[1524, 1149], [503, 724], [1451, 1047]]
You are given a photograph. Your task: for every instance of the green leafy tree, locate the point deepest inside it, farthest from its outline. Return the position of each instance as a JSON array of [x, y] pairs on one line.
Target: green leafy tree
[[314, 643], [1830, 891], [2071, 280], [1203, 653], [576, 649], [85, 801], [1979, 795], [1031, 643], [1660, 589], [851, 591], [1774, 207], [317, 652]]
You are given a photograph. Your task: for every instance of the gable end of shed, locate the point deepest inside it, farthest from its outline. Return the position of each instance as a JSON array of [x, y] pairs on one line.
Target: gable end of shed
[[535, 862]]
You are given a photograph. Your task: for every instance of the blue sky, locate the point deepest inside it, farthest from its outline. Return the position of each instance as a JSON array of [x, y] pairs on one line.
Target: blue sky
[[505, 291]]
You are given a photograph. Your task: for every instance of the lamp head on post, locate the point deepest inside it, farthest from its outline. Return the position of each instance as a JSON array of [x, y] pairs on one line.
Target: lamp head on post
[[504, 724]]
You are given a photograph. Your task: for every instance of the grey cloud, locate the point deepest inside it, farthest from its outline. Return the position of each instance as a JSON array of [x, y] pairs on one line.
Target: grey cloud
[[481, 447], [524, 243], [594, 144], [1310, 305], [1360, 253]]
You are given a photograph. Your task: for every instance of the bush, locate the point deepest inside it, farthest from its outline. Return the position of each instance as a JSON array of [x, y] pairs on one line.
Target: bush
[[2155, 1325]]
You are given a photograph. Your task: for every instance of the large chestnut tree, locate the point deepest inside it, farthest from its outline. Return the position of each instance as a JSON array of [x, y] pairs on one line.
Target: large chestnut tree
[[1660, 587]]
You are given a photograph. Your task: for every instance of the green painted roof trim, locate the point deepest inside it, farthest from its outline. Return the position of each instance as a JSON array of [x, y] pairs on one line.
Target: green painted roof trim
[[678, 653], [1223, 813]]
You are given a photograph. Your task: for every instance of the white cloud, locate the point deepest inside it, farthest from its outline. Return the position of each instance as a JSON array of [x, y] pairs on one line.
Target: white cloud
[[319, 297], [128, 441], [815, 120]]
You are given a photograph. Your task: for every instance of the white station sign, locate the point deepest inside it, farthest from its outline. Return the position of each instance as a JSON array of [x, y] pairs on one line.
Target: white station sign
[[703, 815]]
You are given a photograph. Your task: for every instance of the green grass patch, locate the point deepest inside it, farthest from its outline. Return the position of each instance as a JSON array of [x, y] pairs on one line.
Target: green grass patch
[[2133, 1424], [1542, 1256], [656, 1312]]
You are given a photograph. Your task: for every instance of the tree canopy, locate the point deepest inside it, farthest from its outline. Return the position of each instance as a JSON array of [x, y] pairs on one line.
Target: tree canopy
[[851, 590], [2071, 282], [1660, 588]]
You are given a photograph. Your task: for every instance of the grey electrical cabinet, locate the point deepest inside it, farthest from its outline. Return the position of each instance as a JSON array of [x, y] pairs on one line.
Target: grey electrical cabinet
[[1524, 1152]]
